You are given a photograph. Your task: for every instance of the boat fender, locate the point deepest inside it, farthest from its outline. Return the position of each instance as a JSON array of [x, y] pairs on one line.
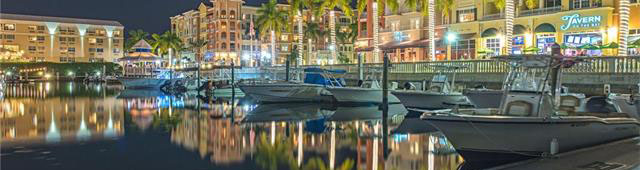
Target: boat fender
[[554, 146]]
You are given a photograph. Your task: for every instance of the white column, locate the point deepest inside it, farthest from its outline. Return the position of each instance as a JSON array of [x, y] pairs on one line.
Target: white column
[[376, 34], [509, 15], [52, 27], [431, 28], [624, 27], [332, 26], [300, 39], [300, 143], [273, 47], [109, 30], [82, 30]]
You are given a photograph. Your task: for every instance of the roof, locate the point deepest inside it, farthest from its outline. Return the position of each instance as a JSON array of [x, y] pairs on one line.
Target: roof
[[59, 19], [142, 44]]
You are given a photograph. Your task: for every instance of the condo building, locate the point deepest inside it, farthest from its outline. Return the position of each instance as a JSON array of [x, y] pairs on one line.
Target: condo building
[[475, 29], [231, 30], [29, 38]]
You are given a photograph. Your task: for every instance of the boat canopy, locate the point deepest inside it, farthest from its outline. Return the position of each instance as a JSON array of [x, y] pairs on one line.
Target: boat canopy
[[321, 70]]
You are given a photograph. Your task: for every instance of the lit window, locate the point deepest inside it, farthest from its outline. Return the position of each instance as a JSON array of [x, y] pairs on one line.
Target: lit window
[[32, 28], [71, 49], [32, 48], [33, 38], [63, 39], [9, 27], [284, 38], [92, 40], [40, 38], [99, 50], [9, 37], [466, 15], [99, 40]]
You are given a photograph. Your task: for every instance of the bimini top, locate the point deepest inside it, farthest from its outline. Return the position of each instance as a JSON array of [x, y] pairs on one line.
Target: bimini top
[[321, 70], [141, 52]]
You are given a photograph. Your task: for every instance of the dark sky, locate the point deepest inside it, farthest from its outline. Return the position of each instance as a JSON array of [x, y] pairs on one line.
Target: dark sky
[[149, 15]]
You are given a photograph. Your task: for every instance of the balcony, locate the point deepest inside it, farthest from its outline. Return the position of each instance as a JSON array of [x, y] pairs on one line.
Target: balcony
[[493, 17], [400, 28], [541, 11]]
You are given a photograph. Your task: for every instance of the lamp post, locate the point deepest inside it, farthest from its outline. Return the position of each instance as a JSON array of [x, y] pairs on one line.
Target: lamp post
[[452, 37]]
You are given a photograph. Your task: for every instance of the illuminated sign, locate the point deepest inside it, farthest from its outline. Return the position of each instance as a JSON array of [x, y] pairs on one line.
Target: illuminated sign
[[399, 36], [575, 21]]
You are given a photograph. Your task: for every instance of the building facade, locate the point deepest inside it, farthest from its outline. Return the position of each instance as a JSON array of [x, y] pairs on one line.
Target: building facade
[[57, 39], [475, 29], [227, 27]]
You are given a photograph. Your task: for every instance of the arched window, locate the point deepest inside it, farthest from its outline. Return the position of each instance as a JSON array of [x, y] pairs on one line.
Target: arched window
[[223, 13], [232, 14], [223, 46]]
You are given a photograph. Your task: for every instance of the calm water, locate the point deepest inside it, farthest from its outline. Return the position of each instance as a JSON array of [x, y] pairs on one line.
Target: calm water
[[75, 126]]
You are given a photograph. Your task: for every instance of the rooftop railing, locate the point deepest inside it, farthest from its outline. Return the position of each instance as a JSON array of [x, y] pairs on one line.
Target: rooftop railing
[[540, 11]]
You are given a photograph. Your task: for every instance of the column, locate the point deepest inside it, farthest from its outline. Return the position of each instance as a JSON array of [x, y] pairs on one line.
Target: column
[[332, 26], [624, 27], [432, 27], [509, 16], [82, 30], [109, 30], [52, 27], [376, 34]]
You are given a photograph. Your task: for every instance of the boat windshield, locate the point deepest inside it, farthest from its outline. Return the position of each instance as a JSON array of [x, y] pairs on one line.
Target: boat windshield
[[531, 80]]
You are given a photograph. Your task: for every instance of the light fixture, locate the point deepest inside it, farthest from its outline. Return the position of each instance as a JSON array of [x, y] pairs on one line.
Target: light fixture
[[451, 37]]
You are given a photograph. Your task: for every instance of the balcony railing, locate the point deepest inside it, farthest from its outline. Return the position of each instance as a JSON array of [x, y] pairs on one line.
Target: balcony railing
[[540, 11], [401, 28], [493, 16]]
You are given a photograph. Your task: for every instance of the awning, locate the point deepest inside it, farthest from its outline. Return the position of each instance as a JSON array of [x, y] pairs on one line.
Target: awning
[[491, 32], [519, 29], [545, 28]]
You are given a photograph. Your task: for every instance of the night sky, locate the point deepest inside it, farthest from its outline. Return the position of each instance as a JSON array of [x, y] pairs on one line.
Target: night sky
[[149, 15]]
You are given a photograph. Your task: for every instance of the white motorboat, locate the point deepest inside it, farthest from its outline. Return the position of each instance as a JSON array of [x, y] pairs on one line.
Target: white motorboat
[[142, 83], [369, 92], [532, 121], [439, 94], [368, 112], [483, 97], [280, 112], [273, 92], [628, 103]]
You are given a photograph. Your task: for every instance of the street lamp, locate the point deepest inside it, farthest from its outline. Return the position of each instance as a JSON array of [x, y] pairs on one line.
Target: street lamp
[[452, 37]]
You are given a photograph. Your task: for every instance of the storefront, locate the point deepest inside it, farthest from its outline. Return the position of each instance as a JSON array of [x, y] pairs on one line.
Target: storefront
[[518, 45], [492, 41], [575, 43], [545, 37]]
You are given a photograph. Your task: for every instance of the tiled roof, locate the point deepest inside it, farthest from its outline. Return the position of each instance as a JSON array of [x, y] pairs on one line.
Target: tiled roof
[[59, 19]]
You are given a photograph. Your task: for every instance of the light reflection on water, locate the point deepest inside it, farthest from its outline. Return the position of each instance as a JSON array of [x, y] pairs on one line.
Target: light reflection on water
[[53, 125]]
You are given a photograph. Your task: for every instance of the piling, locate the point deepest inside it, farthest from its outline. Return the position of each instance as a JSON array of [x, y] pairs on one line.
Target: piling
[[385, 104], [287, 67]]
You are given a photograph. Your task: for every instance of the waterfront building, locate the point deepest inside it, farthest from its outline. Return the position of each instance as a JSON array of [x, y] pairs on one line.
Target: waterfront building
[[476, 29], [29, 38], [227, 26]]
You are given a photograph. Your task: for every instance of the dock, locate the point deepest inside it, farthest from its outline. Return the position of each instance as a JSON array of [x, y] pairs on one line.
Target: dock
[[618, 155]]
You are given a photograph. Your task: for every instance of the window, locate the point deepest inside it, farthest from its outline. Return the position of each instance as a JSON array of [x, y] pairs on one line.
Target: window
[[9, 27], [40, 38], [494, 45], [284, 38], [552, 3], [116, 33], [285, 48], [100, 50], [71, 49], [92, 40], [232, 46], [223, 46], [223, 35], [466, 15], [232, 36], [99, 40], [9, 37], [71, 39], [32, 48], [33, 38], [41, 48], [92, 49], [116, 50], [232, 25], [63, 50], [116, 41], [63, 39], [223, 25], [232, 14], [32, 27], [577, 4], [40, 28]]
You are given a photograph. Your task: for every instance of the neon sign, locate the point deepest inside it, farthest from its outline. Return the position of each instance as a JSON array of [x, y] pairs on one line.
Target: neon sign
[[575, 21]]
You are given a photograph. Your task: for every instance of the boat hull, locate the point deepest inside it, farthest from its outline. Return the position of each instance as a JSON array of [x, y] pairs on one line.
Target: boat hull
[[360, 95], [628, 104], [286, 92], [430, 100], [507, 139], [484, 98], [142, 83]]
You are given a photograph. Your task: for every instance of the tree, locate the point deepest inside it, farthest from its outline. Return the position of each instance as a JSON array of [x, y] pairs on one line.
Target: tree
[[295, 9], [312, 33], [134, 37], [330, 5], [446, 6], [164, 43], [531, 4], [347, 37], [197, 46], [500, 5], [271, 21]]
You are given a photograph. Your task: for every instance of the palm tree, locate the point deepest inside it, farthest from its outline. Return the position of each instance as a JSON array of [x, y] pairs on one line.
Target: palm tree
[[134, 37], [271, 21], [295, 9], [531, 4], [446, 6], [347, 37], [312, 33], [331, 5], [197, 46], [165, 43], [427, 8], [500, 5], [381, 5]]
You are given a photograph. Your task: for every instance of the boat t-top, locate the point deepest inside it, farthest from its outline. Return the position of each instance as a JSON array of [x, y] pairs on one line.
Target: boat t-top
[[532, 120], [367, 92]]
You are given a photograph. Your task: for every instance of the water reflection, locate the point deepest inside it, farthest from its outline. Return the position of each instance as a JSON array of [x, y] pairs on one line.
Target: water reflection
[[221, 133]]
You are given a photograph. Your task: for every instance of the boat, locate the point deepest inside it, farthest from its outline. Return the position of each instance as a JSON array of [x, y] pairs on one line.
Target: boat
[[143, 69], [483, 97], [280, 112], [438, 95], [628, 103], [533, 120], [368, 92], [311, 90]]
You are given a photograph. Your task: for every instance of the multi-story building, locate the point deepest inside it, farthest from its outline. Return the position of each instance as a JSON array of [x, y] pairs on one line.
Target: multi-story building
[[226, 26], [59, 39], [475, 29]]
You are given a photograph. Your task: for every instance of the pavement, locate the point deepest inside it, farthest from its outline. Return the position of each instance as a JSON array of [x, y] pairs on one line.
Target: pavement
[[619, 155]]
